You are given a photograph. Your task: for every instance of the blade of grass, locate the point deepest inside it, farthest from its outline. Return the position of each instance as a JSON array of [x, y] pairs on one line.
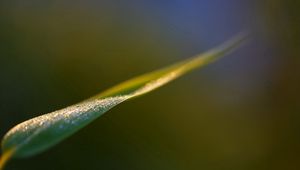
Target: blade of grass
[[40, 133]]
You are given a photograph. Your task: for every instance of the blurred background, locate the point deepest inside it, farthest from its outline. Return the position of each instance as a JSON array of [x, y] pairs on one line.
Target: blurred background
[[240, 113]]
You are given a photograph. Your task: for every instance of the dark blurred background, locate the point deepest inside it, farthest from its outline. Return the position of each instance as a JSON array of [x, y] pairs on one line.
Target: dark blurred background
[[240, 113]]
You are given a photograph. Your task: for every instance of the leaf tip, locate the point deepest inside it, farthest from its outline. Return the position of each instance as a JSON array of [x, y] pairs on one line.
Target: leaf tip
[[230, 45]]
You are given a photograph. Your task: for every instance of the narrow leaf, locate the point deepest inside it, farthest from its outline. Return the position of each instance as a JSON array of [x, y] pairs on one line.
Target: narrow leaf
[[40, 133]]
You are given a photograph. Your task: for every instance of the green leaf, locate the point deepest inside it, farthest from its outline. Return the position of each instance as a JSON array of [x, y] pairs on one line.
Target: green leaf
[[40, 133]]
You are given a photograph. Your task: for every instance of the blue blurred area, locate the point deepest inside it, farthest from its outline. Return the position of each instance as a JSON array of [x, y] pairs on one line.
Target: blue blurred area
[[238, 113]]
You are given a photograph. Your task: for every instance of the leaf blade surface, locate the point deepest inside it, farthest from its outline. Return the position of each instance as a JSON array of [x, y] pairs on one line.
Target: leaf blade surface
[[40, 133]]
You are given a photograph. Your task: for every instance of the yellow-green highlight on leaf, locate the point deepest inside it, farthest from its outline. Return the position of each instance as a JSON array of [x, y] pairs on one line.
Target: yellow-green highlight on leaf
[[40, 133], [172, 72], [5, 157]]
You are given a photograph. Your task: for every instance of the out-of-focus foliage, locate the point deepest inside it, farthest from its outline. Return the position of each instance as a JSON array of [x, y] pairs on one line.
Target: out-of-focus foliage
[[283, 31], [243, 115]]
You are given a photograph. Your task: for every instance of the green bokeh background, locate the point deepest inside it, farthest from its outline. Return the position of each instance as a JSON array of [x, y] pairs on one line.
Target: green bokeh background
[[239, 113]]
